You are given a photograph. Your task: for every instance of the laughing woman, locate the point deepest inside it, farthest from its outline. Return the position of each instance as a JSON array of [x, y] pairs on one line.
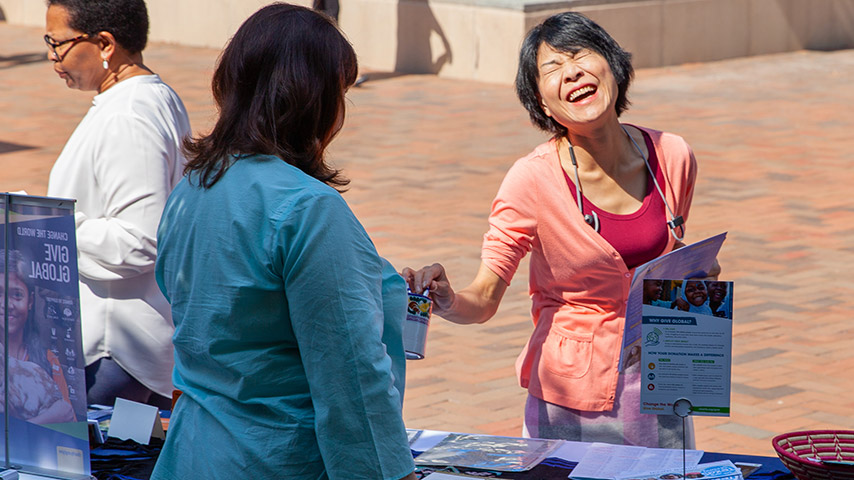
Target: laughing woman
[[591, 204]]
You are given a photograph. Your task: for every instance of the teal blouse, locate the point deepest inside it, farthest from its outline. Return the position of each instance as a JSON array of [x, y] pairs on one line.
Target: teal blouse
[[288, 345]]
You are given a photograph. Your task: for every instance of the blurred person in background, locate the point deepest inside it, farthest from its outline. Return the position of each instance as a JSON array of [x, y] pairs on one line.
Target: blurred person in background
[[120, 164], [329, 7]]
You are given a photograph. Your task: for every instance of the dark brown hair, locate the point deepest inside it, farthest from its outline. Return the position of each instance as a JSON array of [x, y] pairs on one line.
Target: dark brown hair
[[127, 20], [279, 87], [568, 32]]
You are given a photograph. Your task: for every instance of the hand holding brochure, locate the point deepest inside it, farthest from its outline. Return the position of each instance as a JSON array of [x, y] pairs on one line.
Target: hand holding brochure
[[691, 261]]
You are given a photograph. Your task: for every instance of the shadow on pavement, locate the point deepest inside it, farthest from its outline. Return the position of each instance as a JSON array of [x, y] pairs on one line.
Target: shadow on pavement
[[6, 147], [375, 76], [22, 59]]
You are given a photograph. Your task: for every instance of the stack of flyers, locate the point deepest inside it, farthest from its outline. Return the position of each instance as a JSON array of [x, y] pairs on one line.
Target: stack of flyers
[[723, 470], [505, 454]]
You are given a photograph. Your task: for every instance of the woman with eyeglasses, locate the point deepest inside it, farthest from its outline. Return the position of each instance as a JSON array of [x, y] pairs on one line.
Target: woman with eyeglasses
[[120, 164]]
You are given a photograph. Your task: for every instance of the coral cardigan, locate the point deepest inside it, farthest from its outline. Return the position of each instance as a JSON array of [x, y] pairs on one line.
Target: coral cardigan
[[579, 283]]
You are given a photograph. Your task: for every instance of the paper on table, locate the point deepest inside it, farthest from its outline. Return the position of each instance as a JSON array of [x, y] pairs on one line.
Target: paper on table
[[722, 470], [413, 435], [690, 261], [427, 440], [606, 461], [135, 421], [446, 476], [571, 451], [506, 454]]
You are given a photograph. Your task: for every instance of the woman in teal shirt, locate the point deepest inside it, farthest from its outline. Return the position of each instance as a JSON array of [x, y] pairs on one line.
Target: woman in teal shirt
[[288, 324]]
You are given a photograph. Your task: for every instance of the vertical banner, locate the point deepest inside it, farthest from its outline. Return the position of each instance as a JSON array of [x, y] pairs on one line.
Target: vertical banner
[[44, 384]]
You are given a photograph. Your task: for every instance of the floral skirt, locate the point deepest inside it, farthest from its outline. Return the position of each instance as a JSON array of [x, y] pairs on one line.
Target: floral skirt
[[624, 425]]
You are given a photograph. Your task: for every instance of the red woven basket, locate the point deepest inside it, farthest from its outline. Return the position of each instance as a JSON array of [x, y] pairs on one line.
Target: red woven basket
[[807, 454]]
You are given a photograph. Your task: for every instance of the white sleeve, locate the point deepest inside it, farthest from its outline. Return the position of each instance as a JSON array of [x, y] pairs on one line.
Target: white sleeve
[[134, 169]]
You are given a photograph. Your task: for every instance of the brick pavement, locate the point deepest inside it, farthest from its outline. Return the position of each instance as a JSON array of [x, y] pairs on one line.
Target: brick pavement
[[426, 155]]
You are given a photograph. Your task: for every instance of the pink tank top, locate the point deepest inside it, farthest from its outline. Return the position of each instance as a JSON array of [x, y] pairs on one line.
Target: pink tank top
[[640, 236]]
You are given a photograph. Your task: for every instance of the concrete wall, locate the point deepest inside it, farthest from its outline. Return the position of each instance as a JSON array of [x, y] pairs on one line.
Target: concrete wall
[[479, 39], [680, 31], [450, 39], [200, 23]]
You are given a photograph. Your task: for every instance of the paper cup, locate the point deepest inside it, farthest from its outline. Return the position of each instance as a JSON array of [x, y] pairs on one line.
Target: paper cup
[[415, 329]]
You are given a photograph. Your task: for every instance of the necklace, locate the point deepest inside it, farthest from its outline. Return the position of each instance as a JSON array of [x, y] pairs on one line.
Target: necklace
[[592, 218]]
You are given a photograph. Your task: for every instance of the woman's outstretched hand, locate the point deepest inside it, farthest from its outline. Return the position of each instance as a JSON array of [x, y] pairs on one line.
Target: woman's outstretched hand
[[434, 279], [714, 271]]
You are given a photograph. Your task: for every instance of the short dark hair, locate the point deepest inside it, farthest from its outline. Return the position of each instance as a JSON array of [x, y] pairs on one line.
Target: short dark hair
[[127, 20], [279, 87], [568, 32]]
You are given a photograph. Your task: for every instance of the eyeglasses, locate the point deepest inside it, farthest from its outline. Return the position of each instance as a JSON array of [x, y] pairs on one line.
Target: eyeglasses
[[52, 44]]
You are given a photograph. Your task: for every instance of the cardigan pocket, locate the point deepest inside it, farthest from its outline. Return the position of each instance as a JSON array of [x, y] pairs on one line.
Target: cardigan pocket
[[567, 353]]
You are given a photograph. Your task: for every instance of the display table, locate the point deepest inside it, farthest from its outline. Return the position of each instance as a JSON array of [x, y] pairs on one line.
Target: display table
[[557, 466], [561, 462]]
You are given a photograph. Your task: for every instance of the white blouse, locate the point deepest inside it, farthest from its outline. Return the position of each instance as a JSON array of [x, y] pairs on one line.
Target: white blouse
[[120, 164]]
